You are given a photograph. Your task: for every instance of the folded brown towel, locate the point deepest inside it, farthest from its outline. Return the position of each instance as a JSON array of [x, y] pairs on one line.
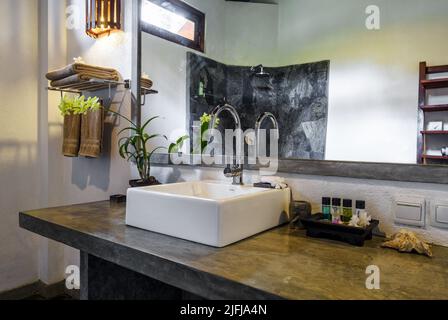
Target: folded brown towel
[[146, 83], [77, 78], [81, 68], [92, 125], [72, 135]]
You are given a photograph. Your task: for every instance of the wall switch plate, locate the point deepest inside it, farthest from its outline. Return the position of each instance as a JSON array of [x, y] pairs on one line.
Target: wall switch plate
[[410, 211], [439, 213]]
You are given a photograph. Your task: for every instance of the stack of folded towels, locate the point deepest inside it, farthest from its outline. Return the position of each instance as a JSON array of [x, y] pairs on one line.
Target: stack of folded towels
[[79, 72], [145, 82]]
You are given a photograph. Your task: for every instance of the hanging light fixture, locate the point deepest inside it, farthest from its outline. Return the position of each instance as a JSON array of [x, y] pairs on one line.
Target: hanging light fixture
[[102, 17]]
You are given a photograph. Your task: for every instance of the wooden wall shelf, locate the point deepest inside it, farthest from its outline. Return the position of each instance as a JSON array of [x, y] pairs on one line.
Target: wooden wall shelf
[[435, 83], [435, 157], [424, 135], [436, 69], [438, 132], [435, 108]]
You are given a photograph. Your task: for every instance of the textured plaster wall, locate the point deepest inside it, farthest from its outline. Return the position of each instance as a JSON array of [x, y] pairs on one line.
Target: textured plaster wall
[[379, 195], [19, 188]]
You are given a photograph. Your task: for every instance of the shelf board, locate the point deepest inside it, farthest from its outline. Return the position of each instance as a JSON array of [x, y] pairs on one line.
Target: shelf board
[[428, 157], [435, 83], [90, 85], [438, 132], [146, 91], [435, 108], [437, 69]]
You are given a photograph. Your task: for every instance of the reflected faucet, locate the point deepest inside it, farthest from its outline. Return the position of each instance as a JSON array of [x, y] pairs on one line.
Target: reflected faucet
[[259, 122], [235, 171]]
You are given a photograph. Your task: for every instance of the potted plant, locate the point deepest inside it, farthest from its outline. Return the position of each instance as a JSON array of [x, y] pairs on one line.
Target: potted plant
[[134, 148]]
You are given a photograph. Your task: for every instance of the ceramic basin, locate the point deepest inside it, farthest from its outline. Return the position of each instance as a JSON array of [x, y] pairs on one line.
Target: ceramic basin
[[209, 213]]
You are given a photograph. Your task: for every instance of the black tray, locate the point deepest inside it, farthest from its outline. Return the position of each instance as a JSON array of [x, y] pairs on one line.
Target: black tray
[[317, 227]]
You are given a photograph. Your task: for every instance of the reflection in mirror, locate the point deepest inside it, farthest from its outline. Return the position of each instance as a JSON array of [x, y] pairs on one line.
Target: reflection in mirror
[[174, 21], [343, 79]]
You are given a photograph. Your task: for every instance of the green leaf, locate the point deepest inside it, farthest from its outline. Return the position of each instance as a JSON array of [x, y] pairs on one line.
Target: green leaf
[[176, 147], [66, 106], [123, 117], [173, 148], [148, 122], [153, 151]]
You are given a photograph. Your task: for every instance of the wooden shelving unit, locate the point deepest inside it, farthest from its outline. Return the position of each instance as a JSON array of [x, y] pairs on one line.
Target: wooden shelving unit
[[424, 85]]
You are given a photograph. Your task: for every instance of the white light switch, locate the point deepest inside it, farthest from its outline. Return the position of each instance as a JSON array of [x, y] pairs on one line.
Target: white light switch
[[410, 211], [439, 214]]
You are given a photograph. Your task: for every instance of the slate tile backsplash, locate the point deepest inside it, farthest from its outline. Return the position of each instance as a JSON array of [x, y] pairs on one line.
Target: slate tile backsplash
[[297, 95]]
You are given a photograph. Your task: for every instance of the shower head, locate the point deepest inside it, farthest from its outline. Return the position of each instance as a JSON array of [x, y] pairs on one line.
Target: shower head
[[261, 73]]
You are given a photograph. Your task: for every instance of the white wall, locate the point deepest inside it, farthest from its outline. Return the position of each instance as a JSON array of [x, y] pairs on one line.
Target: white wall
[[379, 195], [19, 187], [251, 34], [82, 180], [33, 172], [373, 88], [373, 95], [374, 74]]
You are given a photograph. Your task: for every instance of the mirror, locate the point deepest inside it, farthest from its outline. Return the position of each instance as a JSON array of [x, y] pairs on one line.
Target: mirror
[[345, 80]]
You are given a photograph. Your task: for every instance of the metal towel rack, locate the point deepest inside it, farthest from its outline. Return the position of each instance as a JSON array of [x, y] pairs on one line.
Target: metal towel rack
[[91, 85]]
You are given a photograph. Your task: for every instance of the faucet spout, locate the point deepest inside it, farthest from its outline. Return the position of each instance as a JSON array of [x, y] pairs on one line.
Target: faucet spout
[[226, 107], [235, 171], [259, 122]]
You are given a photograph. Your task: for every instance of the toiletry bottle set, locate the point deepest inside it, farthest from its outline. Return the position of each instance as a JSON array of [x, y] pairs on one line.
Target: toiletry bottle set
[[340, 211], [336, 210], [326, 208]]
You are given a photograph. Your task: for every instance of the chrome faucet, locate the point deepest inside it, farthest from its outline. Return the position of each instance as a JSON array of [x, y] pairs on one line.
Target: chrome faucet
[[259, 122], [235, 171]]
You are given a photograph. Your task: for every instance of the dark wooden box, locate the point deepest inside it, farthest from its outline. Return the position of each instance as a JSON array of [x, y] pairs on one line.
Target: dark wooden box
[[317, 227]]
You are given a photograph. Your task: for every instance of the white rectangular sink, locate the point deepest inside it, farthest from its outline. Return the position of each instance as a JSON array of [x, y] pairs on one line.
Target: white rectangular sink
[[210, 213]]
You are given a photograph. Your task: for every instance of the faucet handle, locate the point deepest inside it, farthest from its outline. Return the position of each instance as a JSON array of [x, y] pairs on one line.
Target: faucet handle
[[233, 171], [228, 172]]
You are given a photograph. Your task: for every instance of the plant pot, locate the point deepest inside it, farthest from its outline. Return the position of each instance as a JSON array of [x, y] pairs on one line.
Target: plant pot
[[144, 183]]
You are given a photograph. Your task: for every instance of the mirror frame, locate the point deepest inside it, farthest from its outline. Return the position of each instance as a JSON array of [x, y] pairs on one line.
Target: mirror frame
[[437, 174]]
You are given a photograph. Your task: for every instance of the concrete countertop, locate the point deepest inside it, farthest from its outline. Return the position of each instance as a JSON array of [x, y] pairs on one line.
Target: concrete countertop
[[278, 264]]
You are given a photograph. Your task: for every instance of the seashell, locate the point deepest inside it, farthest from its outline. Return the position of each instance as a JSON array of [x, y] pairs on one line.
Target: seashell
[[364, 219], [354, 222], [407, 241]]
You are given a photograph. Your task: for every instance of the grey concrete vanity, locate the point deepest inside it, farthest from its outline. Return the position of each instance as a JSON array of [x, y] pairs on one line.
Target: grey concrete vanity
[[121, 262]]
